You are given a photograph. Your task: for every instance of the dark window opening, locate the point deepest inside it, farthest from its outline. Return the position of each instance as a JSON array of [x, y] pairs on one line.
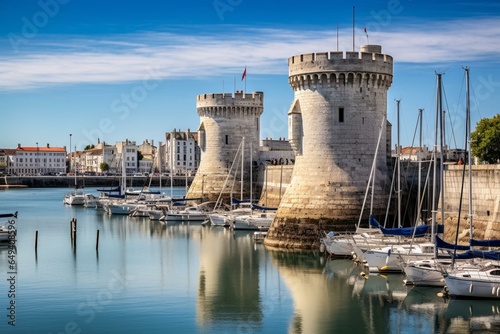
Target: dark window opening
[[227, 139], [341, 115]]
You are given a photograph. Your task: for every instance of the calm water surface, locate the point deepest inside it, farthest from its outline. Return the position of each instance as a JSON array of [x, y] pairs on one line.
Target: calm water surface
[[150, 277]]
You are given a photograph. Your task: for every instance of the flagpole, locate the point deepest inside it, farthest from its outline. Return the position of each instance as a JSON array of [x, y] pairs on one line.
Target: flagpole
[[223, 94], [337, 36], [234, 85], [353, 39], [245, 89]]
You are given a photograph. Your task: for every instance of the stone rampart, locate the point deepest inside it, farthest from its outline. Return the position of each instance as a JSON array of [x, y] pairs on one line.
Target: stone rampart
[[485, 202]]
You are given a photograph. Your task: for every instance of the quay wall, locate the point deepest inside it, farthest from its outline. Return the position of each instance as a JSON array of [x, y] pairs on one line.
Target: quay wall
[[485, 202], [87, 181], [278, 179]]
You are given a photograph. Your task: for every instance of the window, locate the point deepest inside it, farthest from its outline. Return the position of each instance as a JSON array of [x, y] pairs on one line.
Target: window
[[341, 115], [227, 139]]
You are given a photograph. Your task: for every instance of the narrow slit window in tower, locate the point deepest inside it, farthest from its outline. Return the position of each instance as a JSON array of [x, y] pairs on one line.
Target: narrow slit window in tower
[[341, 115], [227, 139]]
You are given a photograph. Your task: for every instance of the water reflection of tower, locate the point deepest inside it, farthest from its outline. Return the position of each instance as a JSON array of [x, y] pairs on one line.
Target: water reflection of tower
[[228, 289], [339, 107], [224, 120]]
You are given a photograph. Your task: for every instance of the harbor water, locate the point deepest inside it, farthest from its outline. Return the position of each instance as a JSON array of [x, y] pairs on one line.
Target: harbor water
[[154, 277]]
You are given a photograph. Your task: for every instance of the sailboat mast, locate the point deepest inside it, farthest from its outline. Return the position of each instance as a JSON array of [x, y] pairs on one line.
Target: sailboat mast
[[442, 143], [434, 179], [242, 166], [468, 145], [251, 176], [419, 195], [398, 157]]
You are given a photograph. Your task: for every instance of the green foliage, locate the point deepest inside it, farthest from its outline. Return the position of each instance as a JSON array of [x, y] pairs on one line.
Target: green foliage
[[89, 147], [486, 140], [104, 167], [139, 156]]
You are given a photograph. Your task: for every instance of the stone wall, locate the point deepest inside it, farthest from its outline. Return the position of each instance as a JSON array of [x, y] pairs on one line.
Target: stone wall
[[226, 119], [485, 202], [338, 112]]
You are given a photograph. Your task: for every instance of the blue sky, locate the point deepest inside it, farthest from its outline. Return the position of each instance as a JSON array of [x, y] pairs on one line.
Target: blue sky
[[132, 69]]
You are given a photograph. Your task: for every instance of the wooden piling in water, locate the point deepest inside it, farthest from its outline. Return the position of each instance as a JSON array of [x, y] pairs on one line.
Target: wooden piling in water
[[97, 241], [73, 230], [36, 241]]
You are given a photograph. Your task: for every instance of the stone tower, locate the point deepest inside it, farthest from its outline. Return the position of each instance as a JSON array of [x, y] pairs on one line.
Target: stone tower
[[224, 120], [339, 106]]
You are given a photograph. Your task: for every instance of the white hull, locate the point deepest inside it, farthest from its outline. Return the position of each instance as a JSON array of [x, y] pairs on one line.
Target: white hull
[[251, 223], [338, 246], [391, 258], [424, 273], [218, 219], [474, 283], [74, 198], [191, 214], [185, 217], [118, 209]]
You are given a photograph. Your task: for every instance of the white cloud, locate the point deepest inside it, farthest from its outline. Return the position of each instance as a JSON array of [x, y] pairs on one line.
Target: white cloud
[[61, 60]]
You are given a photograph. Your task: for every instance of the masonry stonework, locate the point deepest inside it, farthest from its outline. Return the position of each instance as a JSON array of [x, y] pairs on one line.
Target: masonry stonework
[[485, 203], [338, 111], [224, 120]]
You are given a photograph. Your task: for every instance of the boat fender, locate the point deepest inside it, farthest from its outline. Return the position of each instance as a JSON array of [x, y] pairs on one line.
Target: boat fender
[[471, 288], [493, 291], [383, 268], [322, 248]]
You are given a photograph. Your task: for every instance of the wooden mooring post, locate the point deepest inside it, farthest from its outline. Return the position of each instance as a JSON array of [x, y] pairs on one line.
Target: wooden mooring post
[[36, 242], [97, 241], [73, 230]]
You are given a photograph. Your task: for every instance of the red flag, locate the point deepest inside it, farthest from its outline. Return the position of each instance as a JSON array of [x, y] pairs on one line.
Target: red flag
[[244, 75]]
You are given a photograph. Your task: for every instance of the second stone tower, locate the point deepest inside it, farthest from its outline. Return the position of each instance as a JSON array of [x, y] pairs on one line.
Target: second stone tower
[[225, 119]]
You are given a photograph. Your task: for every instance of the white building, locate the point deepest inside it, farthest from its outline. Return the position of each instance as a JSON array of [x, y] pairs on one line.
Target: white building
[[180, 153], [35, 160], [130, 149]]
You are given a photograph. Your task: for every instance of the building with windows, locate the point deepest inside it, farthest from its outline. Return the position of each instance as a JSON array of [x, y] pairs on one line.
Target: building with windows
[[180, 153], [35, 160], [128, 151]]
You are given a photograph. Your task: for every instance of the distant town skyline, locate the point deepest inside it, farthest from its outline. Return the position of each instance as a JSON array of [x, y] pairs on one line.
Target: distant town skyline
[[133, 70]]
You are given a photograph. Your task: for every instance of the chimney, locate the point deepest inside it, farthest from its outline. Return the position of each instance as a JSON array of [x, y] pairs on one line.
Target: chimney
[[48, 146]]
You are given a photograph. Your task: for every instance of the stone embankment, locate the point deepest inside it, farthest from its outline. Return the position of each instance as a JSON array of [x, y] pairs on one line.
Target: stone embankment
[[87, 181]]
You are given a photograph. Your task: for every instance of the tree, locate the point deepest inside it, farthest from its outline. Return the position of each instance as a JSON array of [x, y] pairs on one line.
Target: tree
[[486, 140], [104, 167], [89, 147]]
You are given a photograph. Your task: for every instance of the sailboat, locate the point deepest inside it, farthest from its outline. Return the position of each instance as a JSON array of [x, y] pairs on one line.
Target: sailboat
[[481, 280], [75, 197], [220, 217], [434, 271], [389, 258]]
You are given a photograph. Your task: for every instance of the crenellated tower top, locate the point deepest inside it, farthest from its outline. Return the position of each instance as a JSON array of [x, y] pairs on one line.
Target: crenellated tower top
[[223, 103], [368, 66]]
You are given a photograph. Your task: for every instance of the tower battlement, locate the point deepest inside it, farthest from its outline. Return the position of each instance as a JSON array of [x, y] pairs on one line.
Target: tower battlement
[[221, 103], [337, 67], [229, 99]]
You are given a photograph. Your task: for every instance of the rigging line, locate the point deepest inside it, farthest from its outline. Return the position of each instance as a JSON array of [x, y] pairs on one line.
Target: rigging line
[[453, 138]]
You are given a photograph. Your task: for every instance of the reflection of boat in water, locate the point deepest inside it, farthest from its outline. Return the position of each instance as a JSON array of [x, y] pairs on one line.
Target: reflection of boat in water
[[389, 286], [469, 308], [424, 299]]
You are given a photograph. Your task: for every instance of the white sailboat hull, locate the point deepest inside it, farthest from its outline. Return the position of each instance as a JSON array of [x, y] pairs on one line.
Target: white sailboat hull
[[474, 283]]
